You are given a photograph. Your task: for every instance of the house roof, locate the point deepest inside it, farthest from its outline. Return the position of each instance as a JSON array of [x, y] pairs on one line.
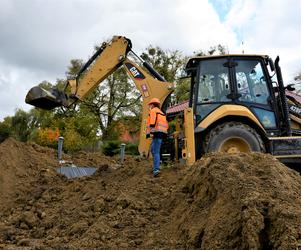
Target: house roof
[[296, 96], [177, 108]]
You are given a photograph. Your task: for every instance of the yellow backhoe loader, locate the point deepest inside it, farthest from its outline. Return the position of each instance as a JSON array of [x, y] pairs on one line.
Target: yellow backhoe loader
[[235, 103]]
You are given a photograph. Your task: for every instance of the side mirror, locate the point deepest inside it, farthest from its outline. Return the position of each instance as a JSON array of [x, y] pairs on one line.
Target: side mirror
[[290, 87]]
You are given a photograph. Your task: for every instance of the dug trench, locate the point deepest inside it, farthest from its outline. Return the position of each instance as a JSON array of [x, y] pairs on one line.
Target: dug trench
[[245, 201]]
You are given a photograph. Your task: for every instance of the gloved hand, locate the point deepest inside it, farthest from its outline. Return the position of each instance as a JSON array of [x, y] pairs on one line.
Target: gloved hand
[[149, 136]]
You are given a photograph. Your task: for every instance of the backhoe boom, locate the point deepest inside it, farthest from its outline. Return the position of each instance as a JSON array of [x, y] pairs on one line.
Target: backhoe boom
[[107, 59]]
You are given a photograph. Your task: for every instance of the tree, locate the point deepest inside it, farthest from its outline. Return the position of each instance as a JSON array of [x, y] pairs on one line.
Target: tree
[[298, 77], [213, 50], [168, 63], [297, 83], [182, 90], [22, 125], [78, 128], [5, 129], [73, 68], [113, 98]]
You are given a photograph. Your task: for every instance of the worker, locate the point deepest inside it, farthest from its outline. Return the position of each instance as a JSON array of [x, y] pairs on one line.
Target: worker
[[157, 126]]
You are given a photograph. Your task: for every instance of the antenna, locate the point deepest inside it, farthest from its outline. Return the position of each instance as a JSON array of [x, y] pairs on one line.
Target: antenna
[[242, 45]]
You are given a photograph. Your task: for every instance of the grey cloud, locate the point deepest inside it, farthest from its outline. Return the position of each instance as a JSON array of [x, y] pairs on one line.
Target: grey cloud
[[42, 34]]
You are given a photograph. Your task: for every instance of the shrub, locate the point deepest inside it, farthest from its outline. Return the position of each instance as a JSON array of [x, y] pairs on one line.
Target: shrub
[[4, 132], [111, 148], [131, 149]]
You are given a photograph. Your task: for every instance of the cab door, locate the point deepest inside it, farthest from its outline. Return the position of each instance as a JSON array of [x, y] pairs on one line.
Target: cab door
[[255, 92]]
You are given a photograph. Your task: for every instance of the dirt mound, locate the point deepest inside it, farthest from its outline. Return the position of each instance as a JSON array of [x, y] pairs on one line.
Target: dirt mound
[[240, 202], [222, 202], [20, 165]]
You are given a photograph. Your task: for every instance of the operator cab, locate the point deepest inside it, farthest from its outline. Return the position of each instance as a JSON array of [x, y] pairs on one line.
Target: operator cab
[[233, 79]]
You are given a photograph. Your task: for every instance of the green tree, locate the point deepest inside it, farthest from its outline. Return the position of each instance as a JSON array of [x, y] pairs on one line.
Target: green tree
[[76, 126], [22, 125], [182, 91], [5, 129], [168, 63], [78, 131], [73, 68], [113, 98], [213, 50]]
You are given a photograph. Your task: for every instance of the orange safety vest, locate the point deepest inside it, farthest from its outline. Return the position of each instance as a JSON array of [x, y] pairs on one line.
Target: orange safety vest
[[156, 122]]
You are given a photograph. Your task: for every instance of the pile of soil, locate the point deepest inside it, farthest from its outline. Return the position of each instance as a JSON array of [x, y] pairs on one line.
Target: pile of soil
[[221, 202]]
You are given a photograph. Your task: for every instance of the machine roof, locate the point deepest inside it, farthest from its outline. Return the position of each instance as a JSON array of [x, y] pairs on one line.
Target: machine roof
[[195, 59]]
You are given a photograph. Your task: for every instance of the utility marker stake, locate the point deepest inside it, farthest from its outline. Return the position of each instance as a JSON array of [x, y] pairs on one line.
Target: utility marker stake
[[122, 152], [60, 148]]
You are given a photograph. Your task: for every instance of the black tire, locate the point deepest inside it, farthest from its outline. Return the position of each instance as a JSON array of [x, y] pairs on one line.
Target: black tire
[[234, 137]]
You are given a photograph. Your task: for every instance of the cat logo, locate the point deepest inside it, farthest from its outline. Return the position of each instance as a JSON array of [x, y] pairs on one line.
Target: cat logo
[[134, 71], [294, 109]]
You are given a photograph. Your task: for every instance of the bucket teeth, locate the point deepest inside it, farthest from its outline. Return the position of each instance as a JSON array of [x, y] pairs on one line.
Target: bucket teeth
[[45, 99]]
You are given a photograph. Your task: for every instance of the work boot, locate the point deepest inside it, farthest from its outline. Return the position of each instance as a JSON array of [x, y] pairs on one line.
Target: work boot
[[156, 173]]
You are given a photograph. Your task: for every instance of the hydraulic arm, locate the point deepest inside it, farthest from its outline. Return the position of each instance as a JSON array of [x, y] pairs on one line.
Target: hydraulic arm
[[107, 59]]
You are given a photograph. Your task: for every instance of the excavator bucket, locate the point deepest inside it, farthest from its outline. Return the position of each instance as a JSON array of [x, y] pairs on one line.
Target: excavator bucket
[[45, 99]]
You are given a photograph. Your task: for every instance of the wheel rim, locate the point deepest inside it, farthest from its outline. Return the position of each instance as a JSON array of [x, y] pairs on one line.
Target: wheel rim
[[235, 145]]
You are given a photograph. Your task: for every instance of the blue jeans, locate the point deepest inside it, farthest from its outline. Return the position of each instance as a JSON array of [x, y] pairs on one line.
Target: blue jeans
[[155, 149]]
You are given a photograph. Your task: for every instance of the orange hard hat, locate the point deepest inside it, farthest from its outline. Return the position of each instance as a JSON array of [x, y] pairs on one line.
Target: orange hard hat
[[154, 100]]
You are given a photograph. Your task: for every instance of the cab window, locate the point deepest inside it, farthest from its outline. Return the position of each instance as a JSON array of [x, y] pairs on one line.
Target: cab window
[[213, 82], [251, 82]]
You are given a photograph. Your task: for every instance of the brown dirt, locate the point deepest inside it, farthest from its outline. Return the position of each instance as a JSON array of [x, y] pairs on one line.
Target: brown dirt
[[222, 202]]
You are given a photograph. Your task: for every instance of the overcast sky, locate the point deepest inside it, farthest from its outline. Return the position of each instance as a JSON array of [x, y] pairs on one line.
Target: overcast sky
[[38, 38]]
